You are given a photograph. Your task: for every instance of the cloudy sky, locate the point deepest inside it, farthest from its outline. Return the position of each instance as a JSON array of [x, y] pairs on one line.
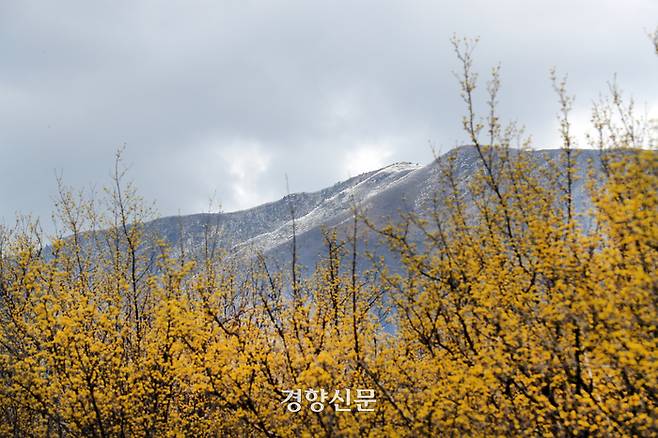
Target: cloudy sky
[[228, 96]]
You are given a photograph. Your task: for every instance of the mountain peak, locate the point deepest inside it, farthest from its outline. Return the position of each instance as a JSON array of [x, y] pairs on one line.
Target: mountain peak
[[383, 193]]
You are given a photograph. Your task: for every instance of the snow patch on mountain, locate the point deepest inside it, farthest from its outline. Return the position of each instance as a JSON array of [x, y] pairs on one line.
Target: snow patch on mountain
[[335, 205]]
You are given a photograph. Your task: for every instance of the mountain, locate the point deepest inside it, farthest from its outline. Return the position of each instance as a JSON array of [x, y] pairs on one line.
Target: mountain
[[382, 193]]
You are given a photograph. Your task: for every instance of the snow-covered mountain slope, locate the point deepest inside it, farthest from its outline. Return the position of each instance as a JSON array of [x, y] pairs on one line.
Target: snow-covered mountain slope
[[382, 193]]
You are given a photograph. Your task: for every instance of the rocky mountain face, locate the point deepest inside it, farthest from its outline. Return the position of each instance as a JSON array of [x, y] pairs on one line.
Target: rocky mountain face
[[383, 194]]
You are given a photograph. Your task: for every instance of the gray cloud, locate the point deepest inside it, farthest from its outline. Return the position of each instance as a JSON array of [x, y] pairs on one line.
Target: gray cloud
[[228, 96]]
